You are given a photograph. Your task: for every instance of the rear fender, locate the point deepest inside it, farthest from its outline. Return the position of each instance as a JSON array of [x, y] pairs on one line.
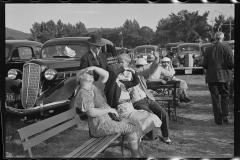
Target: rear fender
[[63, 91]]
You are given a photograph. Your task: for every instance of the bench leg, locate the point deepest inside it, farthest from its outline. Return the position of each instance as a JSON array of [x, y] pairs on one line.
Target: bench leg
[[120, 144], [175, 111]]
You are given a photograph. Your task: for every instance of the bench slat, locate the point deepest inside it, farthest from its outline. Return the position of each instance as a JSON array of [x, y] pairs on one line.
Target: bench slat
[[80, 148], [45, 124], [90, 147], [40, 138], [102, 146]]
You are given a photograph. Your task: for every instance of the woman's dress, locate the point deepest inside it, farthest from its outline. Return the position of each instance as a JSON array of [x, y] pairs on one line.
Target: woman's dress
[[103, 125]]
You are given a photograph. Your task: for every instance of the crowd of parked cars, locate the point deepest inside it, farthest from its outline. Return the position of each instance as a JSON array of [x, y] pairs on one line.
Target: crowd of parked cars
[[42, 77]]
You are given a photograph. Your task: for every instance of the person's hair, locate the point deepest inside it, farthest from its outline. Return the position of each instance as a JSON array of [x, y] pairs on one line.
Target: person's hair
[[125, 57], [219, 35]]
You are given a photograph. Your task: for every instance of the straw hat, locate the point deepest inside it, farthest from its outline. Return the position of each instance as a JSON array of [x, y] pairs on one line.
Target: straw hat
[[166, 59]]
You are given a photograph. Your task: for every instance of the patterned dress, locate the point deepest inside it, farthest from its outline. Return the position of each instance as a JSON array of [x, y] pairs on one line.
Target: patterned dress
[[146, 121], [103, 125]]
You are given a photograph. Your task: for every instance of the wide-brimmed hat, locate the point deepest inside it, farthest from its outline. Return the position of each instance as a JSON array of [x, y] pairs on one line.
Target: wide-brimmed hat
[[166, 59], [96, 40], [141, 61]]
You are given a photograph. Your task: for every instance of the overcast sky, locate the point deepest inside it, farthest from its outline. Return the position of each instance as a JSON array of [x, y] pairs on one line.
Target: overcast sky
[[22, 16]]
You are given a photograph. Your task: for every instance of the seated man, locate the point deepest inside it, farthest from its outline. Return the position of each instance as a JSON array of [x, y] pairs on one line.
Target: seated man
[[142, 98], [166, 72]]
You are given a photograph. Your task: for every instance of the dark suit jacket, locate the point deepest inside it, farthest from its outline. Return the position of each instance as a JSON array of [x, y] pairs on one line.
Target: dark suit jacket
[[218, 62], [88, 60]]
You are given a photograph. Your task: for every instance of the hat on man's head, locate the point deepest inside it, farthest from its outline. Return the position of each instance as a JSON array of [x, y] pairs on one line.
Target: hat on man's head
[[166, 59], [141, 61], [96, 40]]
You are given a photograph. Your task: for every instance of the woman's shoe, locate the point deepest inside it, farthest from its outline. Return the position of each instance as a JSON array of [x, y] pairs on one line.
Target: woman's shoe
[[188, 99], [183, 100]]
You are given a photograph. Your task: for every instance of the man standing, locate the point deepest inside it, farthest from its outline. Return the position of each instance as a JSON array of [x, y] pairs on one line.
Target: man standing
[[94, 57], [218, 62]]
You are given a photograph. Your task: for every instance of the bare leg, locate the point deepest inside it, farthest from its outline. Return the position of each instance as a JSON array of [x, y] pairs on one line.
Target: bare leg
[[134, 148]]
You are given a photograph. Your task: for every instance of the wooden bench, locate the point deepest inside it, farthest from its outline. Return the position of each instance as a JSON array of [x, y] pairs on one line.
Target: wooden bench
[[38, 132], [166, 93]]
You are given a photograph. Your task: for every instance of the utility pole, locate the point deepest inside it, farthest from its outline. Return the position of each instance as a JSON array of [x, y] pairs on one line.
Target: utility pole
[[230, 24], [212, 28]]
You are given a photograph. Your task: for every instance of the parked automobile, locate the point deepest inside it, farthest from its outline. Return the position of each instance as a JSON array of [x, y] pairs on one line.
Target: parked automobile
[[188, 58], [144, 50], [17, 52], [170, 46], [48, 83]]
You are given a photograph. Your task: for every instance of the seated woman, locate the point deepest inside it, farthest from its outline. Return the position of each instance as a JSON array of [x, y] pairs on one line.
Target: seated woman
[[91, 99], [118, 97], [167, 65]]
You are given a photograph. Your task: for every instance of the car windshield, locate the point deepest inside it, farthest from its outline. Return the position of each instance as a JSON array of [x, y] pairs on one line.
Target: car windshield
[[188, 48], [148, 50], [140, 50], [64, 50]]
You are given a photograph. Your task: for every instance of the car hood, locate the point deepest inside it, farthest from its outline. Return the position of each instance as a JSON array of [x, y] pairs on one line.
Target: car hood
[[58, 63]]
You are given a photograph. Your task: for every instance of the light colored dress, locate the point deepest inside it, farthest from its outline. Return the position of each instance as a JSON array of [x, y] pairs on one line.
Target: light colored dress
[[103, 125], [146, 121]]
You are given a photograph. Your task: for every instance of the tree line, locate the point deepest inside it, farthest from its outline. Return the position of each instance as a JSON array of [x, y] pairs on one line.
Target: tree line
[[181, 27]]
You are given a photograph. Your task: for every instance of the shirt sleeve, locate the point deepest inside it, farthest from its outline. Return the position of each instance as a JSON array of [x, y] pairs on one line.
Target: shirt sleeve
[[84, 100], [147, 70]]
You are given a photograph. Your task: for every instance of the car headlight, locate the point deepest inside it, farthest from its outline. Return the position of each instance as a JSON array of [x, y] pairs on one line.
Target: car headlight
[[13, 73], [195, 56], [50, 74]]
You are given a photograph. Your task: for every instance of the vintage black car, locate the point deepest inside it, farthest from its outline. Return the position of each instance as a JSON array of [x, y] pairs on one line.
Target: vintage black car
[[188, 58], [144, 50], [49, 82], [17, 52]]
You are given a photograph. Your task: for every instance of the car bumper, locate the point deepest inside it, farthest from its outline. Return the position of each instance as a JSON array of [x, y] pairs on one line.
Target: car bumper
[[183, 68], [37, 109]]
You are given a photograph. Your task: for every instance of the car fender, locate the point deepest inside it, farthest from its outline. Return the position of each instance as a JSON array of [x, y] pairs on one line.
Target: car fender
[[62, 91], [175, 62], [13, 85]]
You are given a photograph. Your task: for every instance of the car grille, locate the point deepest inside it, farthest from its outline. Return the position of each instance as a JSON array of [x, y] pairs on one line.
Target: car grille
[[30, 84]]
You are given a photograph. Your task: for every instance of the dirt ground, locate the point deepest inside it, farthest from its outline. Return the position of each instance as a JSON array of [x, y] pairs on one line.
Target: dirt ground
[[194, 135]]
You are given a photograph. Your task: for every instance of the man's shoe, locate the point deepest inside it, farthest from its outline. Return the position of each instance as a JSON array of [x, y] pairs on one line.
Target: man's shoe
[[166, 140], [225, 119]]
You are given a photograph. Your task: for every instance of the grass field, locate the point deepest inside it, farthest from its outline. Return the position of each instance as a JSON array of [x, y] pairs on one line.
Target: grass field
[[194, 135]]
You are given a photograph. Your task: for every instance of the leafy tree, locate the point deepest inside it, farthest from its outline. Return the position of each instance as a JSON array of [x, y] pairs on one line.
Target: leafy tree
[[47, 30], [184, 26], [222, 24]]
